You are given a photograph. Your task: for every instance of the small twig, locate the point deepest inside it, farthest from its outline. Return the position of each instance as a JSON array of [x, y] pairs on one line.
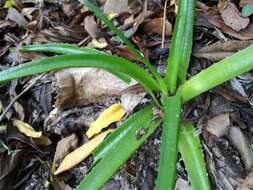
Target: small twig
[[33, 82]]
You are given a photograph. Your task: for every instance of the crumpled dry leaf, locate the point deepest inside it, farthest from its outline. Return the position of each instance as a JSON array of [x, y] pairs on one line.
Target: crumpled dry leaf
[[140, 18], [61, 34], [80, 153], [116, 6], [17, 17], [182, 184], [130, 100], [91, 27], [101, 43], [174, 3], [43, 141], [112, 114], [246, 34], [247, 184], [220, 153], [65, 146], [245, 2], [29, 131], [9, 169], [26, 129], [155, 26], [219, 125], [232, 17], [220, 50], [241, 143], [82, 86]]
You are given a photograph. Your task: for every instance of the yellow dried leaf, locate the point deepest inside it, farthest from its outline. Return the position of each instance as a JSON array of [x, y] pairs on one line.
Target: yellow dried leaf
[[26, 129], [43, 141], [113, 114], [98, 44], [8, 4], [174, 2], [78, 155], [112, 15]]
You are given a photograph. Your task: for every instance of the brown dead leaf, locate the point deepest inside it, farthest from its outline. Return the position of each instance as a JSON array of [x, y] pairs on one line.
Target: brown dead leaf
[[245, 2], [219, 125], [82, 86], [221, 50], [80, 153], [124, 52], [16, 17], [130, 100], [232, 17], [155, 26], [246, 34], [116, 6], [62, 34], [43, 141], [140, 18], [64, 147], [91, 27], [241, 143], [10, 169], [247, 184], [70, 8]]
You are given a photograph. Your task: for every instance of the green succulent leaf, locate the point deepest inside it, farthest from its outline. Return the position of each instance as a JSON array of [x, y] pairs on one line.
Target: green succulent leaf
[[118, 147], [61, 48], [138, 55], [192, 155], [168, 150], [179, 55], [107, 62], [218, 73]]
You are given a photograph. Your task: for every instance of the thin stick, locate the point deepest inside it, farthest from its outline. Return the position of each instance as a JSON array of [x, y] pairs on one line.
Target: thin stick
[[33, 82]]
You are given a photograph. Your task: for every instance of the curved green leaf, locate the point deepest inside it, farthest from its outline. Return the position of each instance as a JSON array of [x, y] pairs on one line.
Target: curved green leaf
[[192, 155], [138, 55], [141, 118], [167, 170], [187, 41], [61, 48], [218, 73], [80, 60], [115, 152], [179, 54]]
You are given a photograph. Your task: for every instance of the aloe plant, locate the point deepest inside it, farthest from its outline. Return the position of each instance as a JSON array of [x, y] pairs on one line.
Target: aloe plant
[[174, 91]]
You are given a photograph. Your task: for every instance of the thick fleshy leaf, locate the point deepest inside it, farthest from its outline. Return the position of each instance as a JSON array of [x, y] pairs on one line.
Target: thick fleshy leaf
[[218, 73], [61, 48], [107, 62], [118, 147], [167, 170], [192, 155], [121, 35], [180, 51]]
